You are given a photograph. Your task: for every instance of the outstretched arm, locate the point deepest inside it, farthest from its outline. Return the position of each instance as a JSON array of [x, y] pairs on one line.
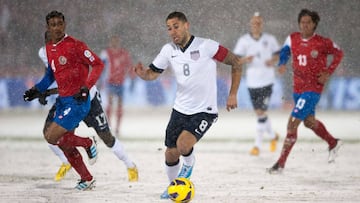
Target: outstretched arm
[[145, 73]]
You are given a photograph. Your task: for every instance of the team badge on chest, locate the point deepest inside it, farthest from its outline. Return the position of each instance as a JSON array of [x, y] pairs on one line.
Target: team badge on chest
[[195, 55], [62, 60], [314, 53]]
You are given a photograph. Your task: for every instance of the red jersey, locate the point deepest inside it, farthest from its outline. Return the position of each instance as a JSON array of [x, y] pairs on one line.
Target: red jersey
[[70, 61], [119, 65], [309, 58]]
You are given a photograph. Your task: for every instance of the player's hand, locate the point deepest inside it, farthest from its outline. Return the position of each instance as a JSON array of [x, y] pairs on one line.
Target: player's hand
[[247, 59], [139, 69], [42, 99], [231, 102], [282, 69], [83, 94], [31, 94], [323, 77]]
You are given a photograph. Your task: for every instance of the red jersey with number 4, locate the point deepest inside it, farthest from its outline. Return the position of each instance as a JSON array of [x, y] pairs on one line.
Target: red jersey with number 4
[[70, 61], [310, 58]]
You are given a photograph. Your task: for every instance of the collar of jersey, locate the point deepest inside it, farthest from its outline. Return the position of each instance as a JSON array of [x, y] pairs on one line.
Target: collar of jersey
[[187, 44], [61, 40]]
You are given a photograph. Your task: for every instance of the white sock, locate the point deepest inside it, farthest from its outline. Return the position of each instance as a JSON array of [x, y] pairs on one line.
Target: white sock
[[260, 129], [58, 152], [172, 171], [269, 129], [119, 151], [189, 160]]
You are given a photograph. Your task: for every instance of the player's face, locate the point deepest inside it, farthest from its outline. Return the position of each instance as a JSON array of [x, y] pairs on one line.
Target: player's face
[[256, 25], [307, 26], [56, 27], [178, 31]]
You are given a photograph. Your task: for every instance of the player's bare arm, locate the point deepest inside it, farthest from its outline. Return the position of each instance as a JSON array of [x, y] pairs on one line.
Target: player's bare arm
[[145, 73], [236, 71]]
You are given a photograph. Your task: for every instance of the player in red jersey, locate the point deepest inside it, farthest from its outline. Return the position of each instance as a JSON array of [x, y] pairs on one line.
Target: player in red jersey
[[310, 52], [69, 65], [118, 64]]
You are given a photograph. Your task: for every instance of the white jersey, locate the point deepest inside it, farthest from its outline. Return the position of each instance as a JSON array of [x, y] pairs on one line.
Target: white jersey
[[195, 73], [258, 74], [43, 57]]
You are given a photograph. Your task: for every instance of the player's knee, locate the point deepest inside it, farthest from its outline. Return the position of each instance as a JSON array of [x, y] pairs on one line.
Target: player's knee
[[49, 139], [171, 155], [183, 149], [309, 124]]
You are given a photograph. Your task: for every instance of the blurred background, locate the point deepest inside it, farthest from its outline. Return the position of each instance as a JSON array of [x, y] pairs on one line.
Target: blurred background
[[141, 26]]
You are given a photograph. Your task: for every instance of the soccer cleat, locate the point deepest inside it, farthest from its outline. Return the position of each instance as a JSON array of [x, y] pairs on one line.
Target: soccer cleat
[[165, 195], [255, 151], [133, 174], [86, 185], [92, 152], [273, 143], [275, 169], [333, 153], [185, 171], [64, 168]]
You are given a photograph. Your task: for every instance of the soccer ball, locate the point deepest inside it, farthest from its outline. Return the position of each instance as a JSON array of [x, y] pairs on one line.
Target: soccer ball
[[181, 190]]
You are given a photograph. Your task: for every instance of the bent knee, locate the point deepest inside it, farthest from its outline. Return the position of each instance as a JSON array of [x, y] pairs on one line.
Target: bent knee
[[309, 124], [49, 139]]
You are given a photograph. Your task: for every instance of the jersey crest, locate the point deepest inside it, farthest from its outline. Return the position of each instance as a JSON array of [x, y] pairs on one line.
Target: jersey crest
[[62, 60], [195, 55], [314, 53]]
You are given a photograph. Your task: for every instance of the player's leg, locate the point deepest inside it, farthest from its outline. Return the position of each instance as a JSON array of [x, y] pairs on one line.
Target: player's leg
[[267, 92], [195, 128], [65, 166], [289, 142], [321, 131], [172, 155], [119, 107], [119, 114], [60, 132], [257, 100], [87, 181], [185, 144], [109, 107], [97, 119], [299, 113]]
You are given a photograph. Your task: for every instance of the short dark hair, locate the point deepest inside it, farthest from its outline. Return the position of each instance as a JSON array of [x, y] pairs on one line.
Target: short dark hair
[[313, 14], [176, 14], [54, 14]]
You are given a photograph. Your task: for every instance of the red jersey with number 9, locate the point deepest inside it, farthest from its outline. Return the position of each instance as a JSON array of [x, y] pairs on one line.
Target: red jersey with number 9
[[310, 58], [70, 61]]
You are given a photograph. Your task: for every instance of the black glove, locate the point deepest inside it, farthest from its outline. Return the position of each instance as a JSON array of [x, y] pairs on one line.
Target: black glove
[[42, 98], [31, 94], [83, 94]]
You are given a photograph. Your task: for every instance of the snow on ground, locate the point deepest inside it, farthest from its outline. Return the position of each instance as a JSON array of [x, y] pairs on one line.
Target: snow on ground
[[224, 171]]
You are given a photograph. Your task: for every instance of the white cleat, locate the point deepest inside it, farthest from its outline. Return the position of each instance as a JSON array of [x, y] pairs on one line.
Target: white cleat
[[333, 153]]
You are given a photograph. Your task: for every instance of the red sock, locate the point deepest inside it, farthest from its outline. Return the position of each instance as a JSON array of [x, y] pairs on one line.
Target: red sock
[[69, 139], [320, 130], [76, 161], [288, 144]]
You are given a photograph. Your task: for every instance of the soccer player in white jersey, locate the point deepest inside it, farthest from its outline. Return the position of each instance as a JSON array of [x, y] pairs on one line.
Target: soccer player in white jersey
[[97, 120], [193, 62], [260, 51]]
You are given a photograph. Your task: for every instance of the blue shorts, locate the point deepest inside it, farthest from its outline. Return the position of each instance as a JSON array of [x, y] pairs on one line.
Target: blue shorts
[[70, 112], [117, 90], [305, 104]]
